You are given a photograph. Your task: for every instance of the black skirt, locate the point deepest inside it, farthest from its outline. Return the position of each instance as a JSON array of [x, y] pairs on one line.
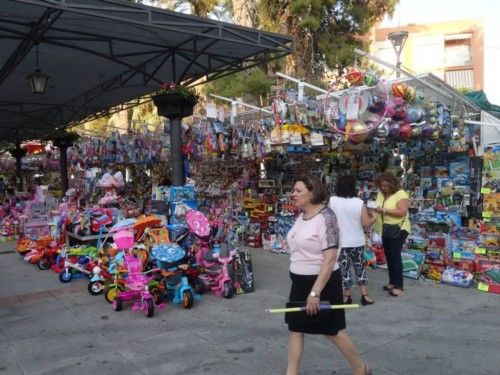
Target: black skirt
[[325, 322]]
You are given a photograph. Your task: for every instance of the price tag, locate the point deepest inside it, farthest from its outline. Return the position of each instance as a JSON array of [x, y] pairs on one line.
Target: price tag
[[480, 250], [487, 214], [457, 255], [483, 287], [485, 190], [486, 219]]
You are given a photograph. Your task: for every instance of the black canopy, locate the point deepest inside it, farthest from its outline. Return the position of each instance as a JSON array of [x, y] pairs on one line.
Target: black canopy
[[101, 53]]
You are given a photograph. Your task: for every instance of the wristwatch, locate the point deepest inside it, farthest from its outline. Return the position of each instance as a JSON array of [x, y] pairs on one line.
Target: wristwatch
[[314, 294]]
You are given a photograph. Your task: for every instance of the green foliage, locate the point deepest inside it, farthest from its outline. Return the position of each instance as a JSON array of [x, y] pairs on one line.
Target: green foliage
[[254, 82], [464, 90], [326, 31], [186, 92]]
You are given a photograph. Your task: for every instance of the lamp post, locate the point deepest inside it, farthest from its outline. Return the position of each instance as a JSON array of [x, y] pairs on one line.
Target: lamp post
[[398, 40]]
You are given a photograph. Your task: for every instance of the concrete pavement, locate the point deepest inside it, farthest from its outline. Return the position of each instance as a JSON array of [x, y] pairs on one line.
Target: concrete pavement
[[47, 327]]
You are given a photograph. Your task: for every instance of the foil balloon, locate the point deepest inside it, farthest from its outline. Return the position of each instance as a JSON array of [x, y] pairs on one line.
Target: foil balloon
[[415, 114], [418, 98], [399, 89], [390, 108], [427, 130], [383, 130], [373, 120], [371, 79], [416, 129], [358, 133], [377, 104], [399, 108], [341, 121], [394, 129], [435, 135], [410, 94], [405, 131], [355, 77]]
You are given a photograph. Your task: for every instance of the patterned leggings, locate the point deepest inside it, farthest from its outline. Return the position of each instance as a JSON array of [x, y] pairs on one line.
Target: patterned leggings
[[354, 254]]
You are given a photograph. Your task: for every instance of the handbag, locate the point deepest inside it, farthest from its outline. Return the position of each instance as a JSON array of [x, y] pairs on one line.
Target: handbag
[[391, 231]]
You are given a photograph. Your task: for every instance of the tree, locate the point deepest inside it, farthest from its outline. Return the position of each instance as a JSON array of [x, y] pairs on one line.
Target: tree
[[325, 31]]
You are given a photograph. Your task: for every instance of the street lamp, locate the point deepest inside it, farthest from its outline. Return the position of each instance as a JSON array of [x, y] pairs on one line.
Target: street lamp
[[398, 40], [37, 80]]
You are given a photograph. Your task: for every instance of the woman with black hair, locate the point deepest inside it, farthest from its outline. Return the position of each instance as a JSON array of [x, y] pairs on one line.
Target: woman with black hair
[[351, 215]]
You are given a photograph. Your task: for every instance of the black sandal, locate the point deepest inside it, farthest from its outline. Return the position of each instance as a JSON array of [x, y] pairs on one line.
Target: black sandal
[[365, 302], [391, 292], [347, 301], [386, 288]]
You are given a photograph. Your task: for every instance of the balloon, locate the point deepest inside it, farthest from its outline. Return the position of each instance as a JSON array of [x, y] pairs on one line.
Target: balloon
[[390, 109], [371, 79], [410, 94], [427, 130], [341, 121], [416, 129], [415, 114], [358, 133], [418, 98], [399, 89], [377, 104], [405, 131], [382, 130], [355, 77], [394, 129]]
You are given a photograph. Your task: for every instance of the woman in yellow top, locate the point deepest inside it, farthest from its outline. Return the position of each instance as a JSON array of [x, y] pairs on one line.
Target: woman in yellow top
[[392, 206]]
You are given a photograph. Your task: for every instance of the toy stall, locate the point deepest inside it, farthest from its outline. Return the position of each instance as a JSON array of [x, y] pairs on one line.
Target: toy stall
[[416, 128], [240, 170]]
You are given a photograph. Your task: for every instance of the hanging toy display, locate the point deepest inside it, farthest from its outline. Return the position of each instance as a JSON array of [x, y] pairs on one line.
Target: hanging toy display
[[358, 111]]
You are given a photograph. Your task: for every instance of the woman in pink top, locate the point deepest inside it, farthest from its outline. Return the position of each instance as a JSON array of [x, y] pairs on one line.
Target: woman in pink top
[[315, 274]]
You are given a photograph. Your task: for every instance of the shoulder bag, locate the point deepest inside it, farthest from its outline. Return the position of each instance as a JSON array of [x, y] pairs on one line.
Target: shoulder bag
[[391, 231]]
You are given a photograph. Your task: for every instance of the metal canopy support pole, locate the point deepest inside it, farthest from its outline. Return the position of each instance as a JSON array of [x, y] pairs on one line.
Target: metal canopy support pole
[[176, 151], [301, 84], [241, 103]]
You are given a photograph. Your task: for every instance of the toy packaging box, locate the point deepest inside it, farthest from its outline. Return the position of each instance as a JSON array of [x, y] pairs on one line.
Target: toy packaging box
[[488, 274], [243, 273], [182, 193], [458, 168], [412, 263], [457, 277], [426, 171], [441, 171]]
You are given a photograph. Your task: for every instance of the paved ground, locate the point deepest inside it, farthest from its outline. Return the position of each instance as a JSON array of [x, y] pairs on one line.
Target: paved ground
[[47, 327]]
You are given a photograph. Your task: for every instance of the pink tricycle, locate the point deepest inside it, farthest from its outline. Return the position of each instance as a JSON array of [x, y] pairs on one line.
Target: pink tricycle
[[136, 282], [216, 277]]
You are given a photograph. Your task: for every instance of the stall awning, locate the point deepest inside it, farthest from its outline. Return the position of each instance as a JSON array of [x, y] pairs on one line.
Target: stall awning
[[101, 53]]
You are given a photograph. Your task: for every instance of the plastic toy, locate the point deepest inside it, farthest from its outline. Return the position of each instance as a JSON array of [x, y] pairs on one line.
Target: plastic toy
[[137, 289], [136, 283], [216, 277]]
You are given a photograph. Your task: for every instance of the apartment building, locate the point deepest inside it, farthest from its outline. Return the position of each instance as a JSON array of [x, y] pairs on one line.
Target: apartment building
[[452, 50]]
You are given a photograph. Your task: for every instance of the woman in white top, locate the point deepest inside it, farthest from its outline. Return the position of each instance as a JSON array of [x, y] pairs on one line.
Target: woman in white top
[[351, 215]]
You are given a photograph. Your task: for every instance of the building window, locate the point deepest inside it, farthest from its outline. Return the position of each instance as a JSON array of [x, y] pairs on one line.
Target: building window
[[457, 49], [460, 79]]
